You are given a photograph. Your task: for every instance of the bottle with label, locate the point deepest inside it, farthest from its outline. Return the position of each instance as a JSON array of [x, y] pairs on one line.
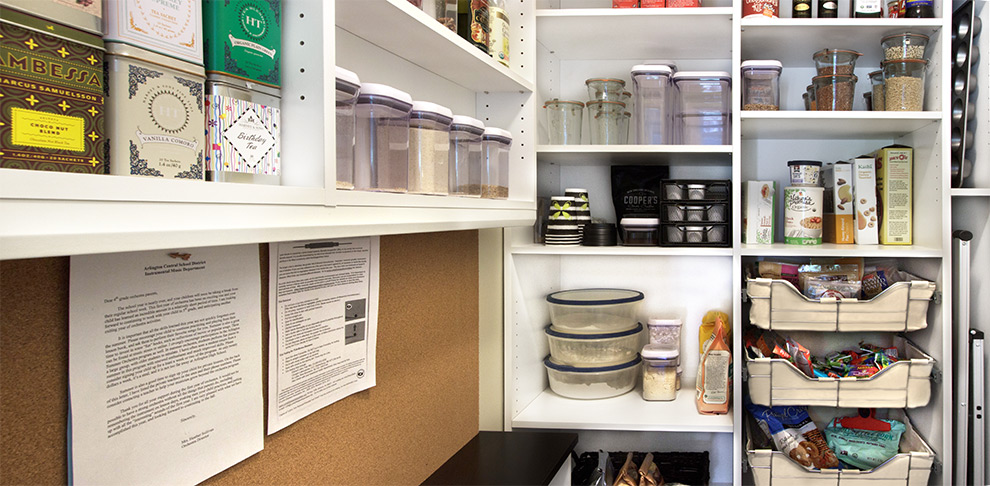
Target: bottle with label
[[919, 9], [868, 9], [472, 22], [801, 9], [498, 35], [714, 383], [828, 9]]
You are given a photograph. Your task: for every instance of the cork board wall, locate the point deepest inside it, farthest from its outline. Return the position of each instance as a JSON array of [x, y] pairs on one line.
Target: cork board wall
[[424, 408]]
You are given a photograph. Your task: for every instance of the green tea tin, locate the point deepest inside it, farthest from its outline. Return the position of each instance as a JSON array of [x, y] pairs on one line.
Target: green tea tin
[[243, 39], [156, 125], [51, 84]]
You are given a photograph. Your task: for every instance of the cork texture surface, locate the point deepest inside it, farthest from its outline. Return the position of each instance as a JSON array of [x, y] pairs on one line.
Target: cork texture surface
[[423, 409]]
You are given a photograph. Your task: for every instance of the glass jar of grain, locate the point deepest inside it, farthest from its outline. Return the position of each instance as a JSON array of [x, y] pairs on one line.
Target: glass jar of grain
[[904, 84], [835, 92], [876, 80]]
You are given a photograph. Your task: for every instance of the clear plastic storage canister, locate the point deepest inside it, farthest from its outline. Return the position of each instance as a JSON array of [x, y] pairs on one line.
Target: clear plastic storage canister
[[465, 156], [381, 142], [904, 84], [348, 86], [495, 143], [653, 94], [703, 108], [761, 85], [429, 148], [660, 372]]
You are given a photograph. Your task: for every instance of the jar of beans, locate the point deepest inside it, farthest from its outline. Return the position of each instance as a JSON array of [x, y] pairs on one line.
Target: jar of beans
[[904, 84], [904, 46], [836, 61], [834, 92]]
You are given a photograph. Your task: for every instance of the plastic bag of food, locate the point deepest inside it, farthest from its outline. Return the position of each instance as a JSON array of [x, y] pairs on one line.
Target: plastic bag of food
[[603, 475], [864, 449], [708, 328], [649, 473], [780, 271], [794, 434], [822, 287], [628, 474]]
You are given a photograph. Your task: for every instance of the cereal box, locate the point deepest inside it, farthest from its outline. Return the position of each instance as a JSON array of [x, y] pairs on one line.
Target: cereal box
[[758, 211], [865, 201], [894, 185], [838, 203]]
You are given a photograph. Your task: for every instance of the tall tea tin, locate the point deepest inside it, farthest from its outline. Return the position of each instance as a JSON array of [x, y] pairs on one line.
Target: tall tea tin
[[243, 131], [156, 124], [85, 15], [243, 39], [51, 79], [170, 27]]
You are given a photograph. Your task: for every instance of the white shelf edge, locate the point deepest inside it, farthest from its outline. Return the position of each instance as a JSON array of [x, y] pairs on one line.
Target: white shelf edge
[[970, 192], [831, 249], [537, 249], [634, 149], [389, 200], [841, 22], [633, 12], [840, 115], [628, 412]]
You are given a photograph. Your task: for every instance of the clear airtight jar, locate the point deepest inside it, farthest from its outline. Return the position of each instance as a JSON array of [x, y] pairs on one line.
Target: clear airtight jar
[[654, 98], [606, 119], [464, 162], [876, 81], [761, 85], [904, 84], [703, 111], [564, 120], [660, 372], [348, 87], [429, 148], [495, 143], [381, 144]]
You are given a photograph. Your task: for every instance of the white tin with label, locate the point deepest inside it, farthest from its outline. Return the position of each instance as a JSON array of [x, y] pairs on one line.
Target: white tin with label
[[243, 131], [170, 27]]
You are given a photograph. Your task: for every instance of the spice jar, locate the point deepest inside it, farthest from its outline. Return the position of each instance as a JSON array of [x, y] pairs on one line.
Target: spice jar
[[877, 98], [836, 61], [465, 156], [835, 92], [348, 85], [665, 332], [904, 84], [495, 144], [381, 146], [904, 46], [564, 121], [660, 372], [654, 101], [605, 89], [761, 85], [606, 119], [429, 148]]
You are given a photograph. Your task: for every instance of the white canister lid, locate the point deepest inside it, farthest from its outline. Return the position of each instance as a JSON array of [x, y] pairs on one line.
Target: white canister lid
[[652, 69], [466, 120], [663, 62], [639, 222], [659, 351], [664, 322], [765, 63], [385, 90], [703, 75], [561, 198], [432, 108], [346, 75], [498, 132], [574, 189]]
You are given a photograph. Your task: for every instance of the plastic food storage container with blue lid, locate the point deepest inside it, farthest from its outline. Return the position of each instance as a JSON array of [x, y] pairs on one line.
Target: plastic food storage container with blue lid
[[592, 383], [592, 311], [590, 350]]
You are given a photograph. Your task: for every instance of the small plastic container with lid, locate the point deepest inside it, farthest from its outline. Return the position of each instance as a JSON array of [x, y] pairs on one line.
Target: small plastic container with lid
[[564, 121], [495, 143], [605, 89], [606, 120], [904, 46], [660, 372], [465, 156], [703, 111], [654, 98], [876, 81], [640, 231], [429, 148], [835, 92], [761, 85], [665, 332], [381, 142], [348, 86], [904, 84]]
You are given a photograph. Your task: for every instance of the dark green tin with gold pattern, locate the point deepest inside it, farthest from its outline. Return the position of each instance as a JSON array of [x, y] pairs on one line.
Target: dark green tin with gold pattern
[[243, 38], [52, 92]]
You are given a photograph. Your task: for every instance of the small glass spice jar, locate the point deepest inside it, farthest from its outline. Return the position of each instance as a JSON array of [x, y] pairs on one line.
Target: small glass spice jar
[[876, 81], [761, 85], [835, 92], [904, 84], [660, 372]]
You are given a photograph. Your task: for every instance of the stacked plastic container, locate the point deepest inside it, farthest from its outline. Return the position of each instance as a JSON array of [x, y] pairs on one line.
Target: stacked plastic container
[[429, 148], [348, 86], [703, 110], [653, 95], [381, 148], [465, 156], [495, 143]]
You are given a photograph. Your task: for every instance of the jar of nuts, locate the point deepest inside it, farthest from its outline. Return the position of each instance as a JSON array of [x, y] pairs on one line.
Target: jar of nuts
[[904, 46], [835, 92], [904, 84]]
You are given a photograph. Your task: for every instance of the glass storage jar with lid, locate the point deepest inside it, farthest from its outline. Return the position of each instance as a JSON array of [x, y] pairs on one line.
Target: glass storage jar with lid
[[904, 84], [495, 143], [429, 148], [876, 81], [465, 156], [761, 85], [606, 120], [835, 92], [564, 119], [653, 92], [348, 86], [381, 143]]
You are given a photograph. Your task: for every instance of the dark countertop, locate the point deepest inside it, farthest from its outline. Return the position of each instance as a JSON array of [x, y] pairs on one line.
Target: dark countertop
[[507, 458]]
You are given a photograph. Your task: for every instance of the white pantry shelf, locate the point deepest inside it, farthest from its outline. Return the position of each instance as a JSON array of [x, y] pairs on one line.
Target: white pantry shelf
[[627, 412], [971, 192], [624, 154], [851, 125], [537, 249], [835, 250], [634, 33], [386, 199], [406, 31]]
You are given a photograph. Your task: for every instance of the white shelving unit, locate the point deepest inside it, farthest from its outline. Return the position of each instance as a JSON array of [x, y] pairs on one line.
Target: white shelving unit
[[52, 214], [581, 39]]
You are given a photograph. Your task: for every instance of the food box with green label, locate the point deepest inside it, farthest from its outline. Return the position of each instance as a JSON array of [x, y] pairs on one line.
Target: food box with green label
[[51, 84], [243, 39]]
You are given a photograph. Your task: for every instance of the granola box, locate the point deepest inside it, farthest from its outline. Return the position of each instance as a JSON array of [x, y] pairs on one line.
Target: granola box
[[894, 185], [838, 206]]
